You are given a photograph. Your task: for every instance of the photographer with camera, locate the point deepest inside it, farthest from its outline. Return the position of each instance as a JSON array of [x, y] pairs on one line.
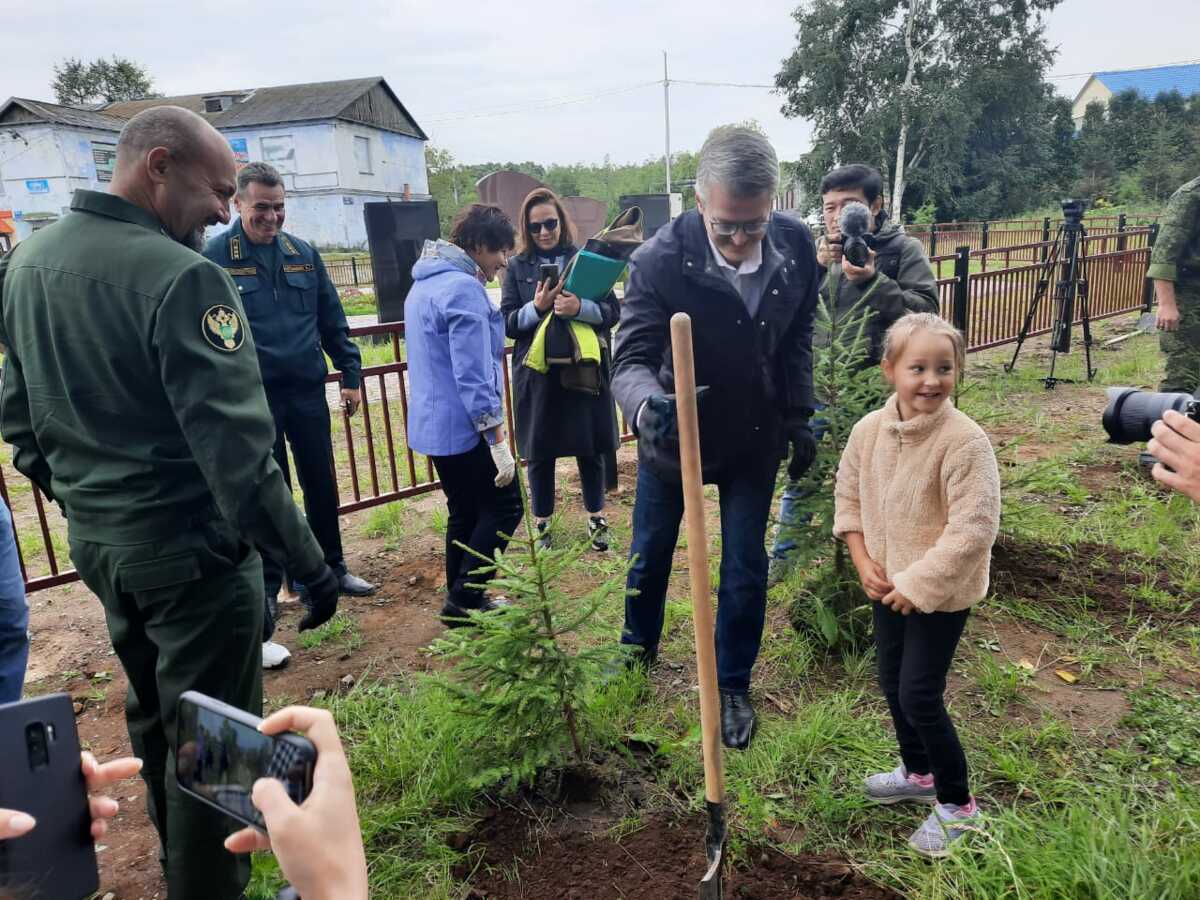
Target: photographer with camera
[[1169, 422], [867, 263], [1175, 271]]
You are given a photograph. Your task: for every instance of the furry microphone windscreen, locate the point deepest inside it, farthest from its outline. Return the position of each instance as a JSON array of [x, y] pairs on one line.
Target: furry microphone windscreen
[[855, 219]]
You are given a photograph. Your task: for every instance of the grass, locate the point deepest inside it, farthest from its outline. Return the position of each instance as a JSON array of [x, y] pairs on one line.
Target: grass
[[341, 631], [391, 522], [1072, 812]]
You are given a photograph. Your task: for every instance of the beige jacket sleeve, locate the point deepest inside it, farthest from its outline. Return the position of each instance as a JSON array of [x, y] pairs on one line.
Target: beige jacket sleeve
[[973, 520], [847, 504]]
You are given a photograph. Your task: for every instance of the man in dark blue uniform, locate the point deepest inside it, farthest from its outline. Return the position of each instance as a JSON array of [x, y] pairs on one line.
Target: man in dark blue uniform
[[294, 313]]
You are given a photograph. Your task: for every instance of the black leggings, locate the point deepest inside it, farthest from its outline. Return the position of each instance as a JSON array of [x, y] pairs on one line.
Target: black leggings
[[478, 513], [914, 654], [541, 485]]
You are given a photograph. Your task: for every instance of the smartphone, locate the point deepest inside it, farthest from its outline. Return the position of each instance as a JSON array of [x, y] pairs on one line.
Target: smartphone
[[548, 272], [221, 753], [41, 776]]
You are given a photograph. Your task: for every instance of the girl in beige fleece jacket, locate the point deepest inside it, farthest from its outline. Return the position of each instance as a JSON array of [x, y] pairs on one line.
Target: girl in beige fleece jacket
[[917, 502]]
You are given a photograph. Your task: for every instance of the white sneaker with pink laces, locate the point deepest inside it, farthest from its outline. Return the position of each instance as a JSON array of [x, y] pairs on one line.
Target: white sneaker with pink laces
[[946, 824], [898, 786]]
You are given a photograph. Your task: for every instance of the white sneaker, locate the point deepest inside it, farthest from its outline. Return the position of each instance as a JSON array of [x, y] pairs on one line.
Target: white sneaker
[[275, 656]]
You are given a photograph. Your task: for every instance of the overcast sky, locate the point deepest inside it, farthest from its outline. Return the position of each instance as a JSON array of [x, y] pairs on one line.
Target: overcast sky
[[503, 81]]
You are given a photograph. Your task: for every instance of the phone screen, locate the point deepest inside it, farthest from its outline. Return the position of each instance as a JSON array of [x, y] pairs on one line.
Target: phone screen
[[220, 758]]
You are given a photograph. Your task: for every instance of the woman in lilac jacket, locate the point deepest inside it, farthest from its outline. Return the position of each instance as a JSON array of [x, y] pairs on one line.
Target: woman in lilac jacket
[[455, 340]]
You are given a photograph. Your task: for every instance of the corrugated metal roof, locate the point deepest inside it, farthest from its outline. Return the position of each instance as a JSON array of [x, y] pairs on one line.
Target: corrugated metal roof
[[65, 115], [1152, 82]]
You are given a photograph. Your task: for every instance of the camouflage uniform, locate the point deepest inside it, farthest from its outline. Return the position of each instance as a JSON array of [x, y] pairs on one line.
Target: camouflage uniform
[[1176, 257]]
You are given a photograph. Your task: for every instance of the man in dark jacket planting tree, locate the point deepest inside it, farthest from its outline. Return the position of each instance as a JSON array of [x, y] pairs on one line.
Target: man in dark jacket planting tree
[[896, 280], [748, 279]]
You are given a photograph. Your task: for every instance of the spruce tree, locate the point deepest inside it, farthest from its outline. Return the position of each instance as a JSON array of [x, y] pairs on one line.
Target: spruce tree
[[528, 670], [830, 603]]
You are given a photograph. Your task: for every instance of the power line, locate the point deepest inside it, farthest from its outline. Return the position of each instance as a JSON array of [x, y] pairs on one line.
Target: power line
[[551, 103], [569, 100], [732, 84], [1182, 62]]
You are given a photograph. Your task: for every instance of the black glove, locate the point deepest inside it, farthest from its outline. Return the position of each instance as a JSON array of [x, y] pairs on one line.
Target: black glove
[[804, 450], [322, 589], [658, 422]]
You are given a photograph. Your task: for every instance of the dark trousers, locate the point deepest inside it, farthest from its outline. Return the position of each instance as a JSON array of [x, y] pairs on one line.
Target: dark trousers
[[541, 485], [914, 653], [302, 418], [14, 614], [479, 512], [745, 496], [184, 613]]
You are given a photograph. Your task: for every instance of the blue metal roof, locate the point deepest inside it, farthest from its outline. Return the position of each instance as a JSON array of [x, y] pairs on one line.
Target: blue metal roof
[[1152, 82]]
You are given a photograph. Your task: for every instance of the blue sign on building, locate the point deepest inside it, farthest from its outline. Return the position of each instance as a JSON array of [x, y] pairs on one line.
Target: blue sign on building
[[38, 186]]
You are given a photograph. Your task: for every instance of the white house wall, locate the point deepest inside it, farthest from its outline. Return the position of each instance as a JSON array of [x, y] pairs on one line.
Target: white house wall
[[59, 156], [397, 161], [326, 192]]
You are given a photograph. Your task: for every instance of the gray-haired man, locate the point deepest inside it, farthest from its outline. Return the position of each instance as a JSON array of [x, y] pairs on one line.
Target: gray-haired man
[[748, 279]]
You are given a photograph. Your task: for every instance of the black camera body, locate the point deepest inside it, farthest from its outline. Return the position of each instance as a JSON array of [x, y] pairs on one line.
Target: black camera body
[[1131, 412], [857, 241]]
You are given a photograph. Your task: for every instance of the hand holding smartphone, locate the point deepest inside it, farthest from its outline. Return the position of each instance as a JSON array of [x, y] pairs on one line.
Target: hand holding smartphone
[[42, 778], [222, 753], [548, 275]]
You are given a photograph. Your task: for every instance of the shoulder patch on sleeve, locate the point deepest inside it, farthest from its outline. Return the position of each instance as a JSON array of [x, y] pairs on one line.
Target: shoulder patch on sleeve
[[223, 329]]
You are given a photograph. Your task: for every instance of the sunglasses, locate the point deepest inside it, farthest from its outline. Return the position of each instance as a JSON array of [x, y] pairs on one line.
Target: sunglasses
[[729, 229], [548, 224]]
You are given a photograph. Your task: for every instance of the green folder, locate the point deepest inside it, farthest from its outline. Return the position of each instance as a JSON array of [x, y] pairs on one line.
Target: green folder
[[592, 276]]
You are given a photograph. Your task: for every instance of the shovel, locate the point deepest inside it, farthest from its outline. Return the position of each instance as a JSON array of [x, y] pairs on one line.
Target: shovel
[[711, 887]]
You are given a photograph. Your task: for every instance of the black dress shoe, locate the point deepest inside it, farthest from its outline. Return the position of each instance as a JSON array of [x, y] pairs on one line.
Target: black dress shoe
[[455, 616], [353, 586], [737, 720]]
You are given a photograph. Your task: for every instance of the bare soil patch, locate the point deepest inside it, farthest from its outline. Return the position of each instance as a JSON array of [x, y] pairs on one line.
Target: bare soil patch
[[531, 853], [1097, 574]]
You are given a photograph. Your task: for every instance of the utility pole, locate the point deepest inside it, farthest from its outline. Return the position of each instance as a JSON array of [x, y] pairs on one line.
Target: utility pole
[[667, 117]]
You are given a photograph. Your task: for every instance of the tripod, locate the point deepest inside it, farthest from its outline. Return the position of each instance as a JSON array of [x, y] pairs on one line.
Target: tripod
[[1073, 284]]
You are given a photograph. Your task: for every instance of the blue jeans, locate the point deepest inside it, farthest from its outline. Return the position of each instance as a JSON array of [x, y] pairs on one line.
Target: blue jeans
[[742, 595], [14, 614], [793, 493]]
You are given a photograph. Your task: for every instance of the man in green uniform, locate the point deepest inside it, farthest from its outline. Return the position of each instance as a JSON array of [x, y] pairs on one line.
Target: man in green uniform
[[132, 396], [1175, 269]]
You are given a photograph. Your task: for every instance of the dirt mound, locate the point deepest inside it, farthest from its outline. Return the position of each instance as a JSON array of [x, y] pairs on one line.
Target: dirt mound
[[1102, 575], [573, 858]]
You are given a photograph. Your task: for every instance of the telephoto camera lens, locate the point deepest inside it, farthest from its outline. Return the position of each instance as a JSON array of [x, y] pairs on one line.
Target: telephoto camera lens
[[1131, 412]]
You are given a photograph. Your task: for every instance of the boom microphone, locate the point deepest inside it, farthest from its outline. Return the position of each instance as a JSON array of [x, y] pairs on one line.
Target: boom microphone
[[855, 225]]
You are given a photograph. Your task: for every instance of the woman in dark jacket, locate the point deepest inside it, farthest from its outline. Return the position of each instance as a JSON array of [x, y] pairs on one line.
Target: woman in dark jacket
[[551, 420]]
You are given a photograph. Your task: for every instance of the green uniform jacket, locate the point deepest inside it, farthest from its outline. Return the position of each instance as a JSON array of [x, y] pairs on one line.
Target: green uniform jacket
[[131, 390], [1176, 253]]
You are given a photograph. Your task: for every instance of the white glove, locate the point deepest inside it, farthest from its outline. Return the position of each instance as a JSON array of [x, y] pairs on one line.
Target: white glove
[[506, 466]]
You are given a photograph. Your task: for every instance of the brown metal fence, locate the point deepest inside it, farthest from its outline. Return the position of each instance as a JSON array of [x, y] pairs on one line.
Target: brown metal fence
[[987, 295]]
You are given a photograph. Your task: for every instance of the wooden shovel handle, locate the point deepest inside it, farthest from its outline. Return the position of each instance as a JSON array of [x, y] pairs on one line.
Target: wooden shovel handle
[[697, 538]]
